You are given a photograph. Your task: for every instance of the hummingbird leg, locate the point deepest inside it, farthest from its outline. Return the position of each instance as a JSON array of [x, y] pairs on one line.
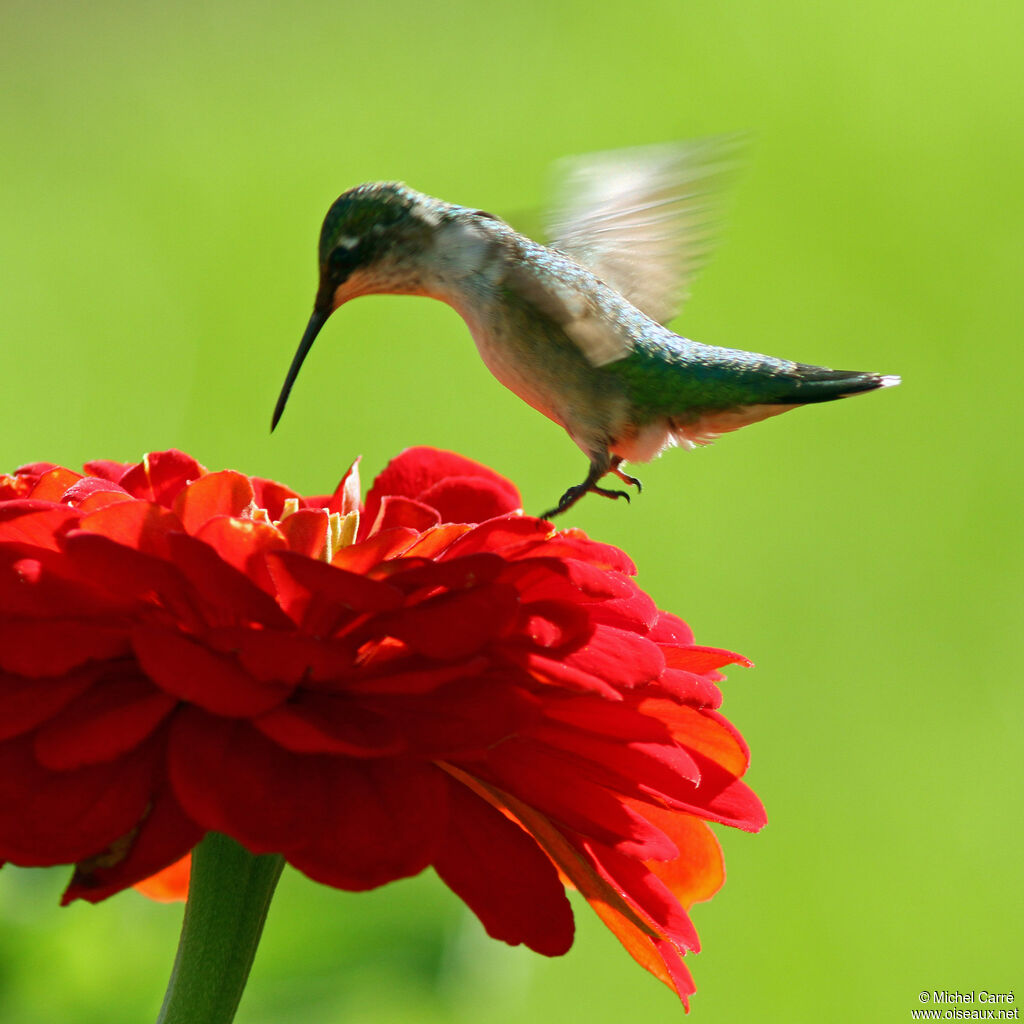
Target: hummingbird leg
[[625, 477], [589, 486]]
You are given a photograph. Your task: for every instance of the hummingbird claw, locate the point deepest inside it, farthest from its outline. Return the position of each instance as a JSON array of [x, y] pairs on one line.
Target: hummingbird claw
[[625, 477], [605, 493], [566, 501], [589, 486]]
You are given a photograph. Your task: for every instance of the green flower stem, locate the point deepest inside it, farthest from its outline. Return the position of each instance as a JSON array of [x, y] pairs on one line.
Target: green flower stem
[[228, 898]]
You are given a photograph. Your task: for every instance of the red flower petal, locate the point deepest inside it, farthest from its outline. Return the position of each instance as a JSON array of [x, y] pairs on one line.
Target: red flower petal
[[227, 595], [108, 720], [471, 499], [619, 657], [127, 575], [385, 820], [723, 798], [13, 487], [51, 647], [244, 545], [418, 470], [141, 525], [276, 655], [270, 495], [611, 659], [24, 703], [107, 469], [160, 476], [671, 629], [555, 625], [565, 793], [437, 541], [362, 557], [52, 484], [421, 575], [49, 817], [511, 535], [639, 938], [92, 493], [34, 523], [634, 611], [498, 870], [305, 531], [574, 544], [322, 723], [542, 578], [654, 771], [454, 625], [621, 721], [465, 717], [702, 659], [417, 679], [320, 596], [553, 671], [35, 469], [395, 512], [689, 688], [190, 672], [39, 586], [645, 892], [701, 731], [232, 779], [163, 838]]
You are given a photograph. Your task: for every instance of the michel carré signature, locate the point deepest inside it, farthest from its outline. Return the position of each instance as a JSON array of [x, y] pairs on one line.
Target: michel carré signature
[[982, 996]]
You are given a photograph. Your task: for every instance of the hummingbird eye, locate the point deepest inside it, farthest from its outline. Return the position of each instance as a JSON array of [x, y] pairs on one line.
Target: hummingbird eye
[[345, 256]]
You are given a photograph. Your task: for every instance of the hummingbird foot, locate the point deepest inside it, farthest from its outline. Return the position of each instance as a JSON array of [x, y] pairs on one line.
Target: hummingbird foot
[[625, 477], [589, 486]]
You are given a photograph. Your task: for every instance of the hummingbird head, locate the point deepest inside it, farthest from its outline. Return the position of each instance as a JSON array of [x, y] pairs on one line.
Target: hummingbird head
[[374, 239], [371, 241]]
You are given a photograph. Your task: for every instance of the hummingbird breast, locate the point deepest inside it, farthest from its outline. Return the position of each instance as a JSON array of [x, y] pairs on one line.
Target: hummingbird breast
[[533, 358], [483, 269]]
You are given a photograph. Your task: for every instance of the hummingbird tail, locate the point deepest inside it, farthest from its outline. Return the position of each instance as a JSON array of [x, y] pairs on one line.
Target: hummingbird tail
[[802, 385], [819, 384]]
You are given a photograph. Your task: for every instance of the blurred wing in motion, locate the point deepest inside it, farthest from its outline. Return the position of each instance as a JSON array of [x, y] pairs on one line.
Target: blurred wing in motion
[[643, 220]]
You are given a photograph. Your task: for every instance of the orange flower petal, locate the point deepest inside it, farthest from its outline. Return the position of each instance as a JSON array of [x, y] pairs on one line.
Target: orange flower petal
[[226, 493], [169, 885]]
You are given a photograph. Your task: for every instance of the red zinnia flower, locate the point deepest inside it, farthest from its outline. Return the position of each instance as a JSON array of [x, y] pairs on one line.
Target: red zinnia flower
[[436, 679]]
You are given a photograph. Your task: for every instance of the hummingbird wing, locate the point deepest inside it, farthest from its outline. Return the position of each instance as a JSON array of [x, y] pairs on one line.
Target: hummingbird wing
[[643, 219]]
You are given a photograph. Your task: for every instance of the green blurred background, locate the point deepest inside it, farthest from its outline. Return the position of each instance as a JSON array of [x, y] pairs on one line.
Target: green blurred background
[[164, 172]]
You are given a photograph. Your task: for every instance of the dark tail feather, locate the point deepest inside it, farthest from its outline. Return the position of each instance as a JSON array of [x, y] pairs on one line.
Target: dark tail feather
[[818, 384]]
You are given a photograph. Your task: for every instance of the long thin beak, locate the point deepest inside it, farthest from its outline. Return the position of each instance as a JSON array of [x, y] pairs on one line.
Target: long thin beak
[[316, 321]]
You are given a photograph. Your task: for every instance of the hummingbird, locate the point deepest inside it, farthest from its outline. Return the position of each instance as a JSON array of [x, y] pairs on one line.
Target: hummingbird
[[577, 328]]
